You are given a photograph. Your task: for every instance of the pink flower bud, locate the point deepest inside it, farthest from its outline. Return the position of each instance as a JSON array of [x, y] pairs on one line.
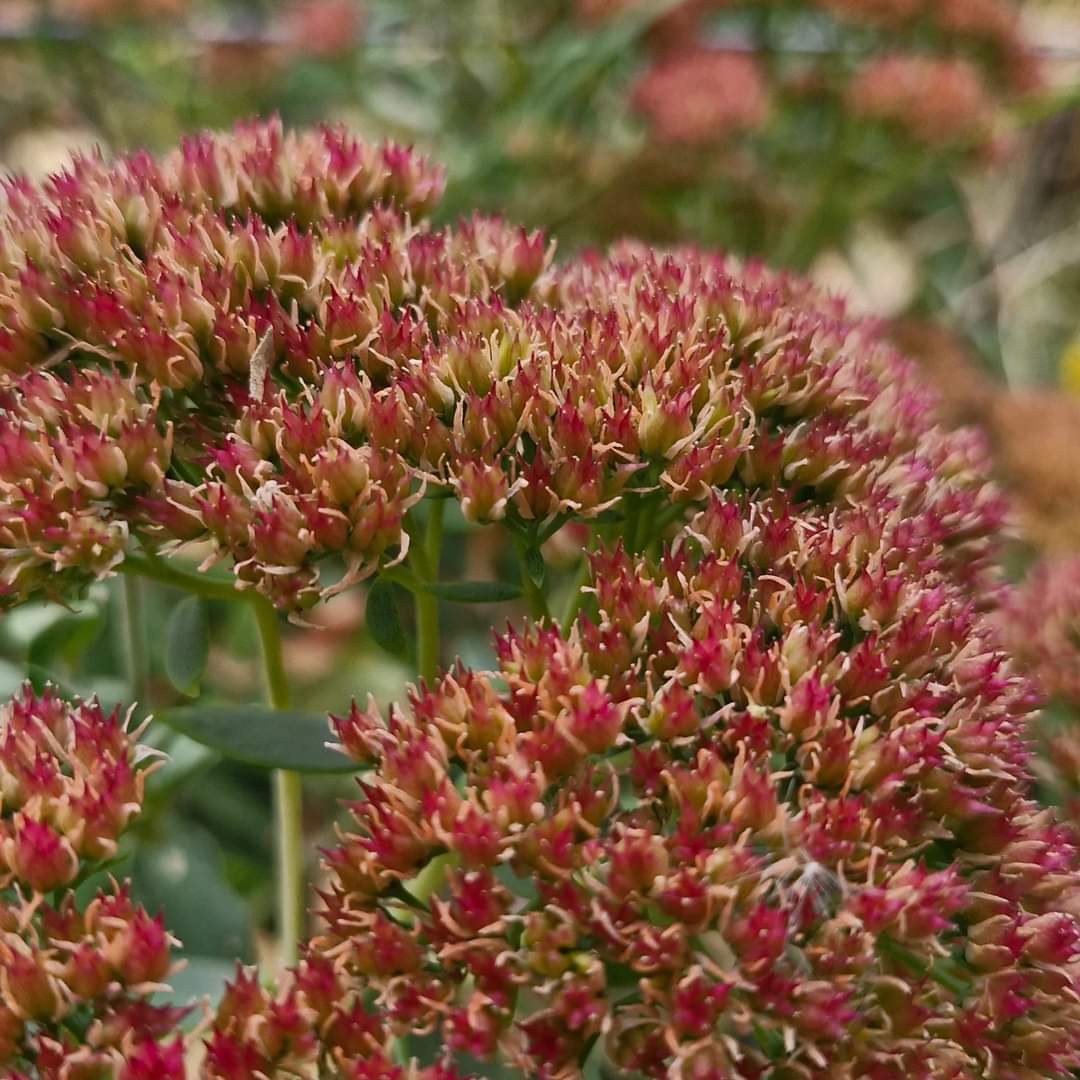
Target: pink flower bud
[[139, 951], [31, 989], [483, 490], [38, 857]]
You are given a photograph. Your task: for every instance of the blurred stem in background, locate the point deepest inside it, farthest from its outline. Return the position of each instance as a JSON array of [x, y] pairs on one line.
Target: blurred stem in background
[[287, 790], [288, 798], [136, 656], [576, 594]]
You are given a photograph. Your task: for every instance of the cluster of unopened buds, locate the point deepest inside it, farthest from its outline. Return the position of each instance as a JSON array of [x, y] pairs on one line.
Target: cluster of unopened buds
[[254, 345], [761, 808], [77, 979], [1040, 624], [698, 89], [763, 811], [1040, 621]]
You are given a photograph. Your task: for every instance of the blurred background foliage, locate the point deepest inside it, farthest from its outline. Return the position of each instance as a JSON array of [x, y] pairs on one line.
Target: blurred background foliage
[[924, 158]]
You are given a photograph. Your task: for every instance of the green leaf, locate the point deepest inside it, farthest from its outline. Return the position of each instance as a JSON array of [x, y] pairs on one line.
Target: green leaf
[[473, 592], [41, 677], [187, 645], [534, 566], [257, 735], [770, 1041], [11, 678], [201, 977], [66, 639], [608, 517], [384, 619], [592, 1059], [182, 876], [184, 760]]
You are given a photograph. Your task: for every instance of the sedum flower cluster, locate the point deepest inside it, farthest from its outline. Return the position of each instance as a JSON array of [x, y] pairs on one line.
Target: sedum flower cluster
[[253, 346], [137, 402], [77, 976], [766, 813], [937, 73], [1040, 621], [761, 809], [764, 810]]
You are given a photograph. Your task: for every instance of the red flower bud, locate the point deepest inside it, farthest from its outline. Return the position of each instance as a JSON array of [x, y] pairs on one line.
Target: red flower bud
[[38, 857]]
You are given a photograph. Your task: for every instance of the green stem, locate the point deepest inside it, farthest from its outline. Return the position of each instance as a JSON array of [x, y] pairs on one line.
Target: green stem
[[534, 595], [630, 524], [138, 661], [430, 880], [576, 596], [154, 569], [288, 796], [425, 561]]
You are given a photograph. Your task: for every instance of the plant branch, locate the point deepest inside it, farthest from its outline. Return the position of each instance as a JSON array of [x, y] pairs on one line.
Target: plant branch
[[534, 593], [288, 796], [576, 595], [136, 657], [425, 563], [154, 569]]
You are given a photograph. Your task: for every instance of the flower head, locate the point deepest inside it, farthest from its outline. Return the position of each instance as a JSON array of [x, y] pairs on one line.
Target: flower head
[[766, 804], [76, 981], [780, 860], [252, 346], [1040, 622], [934, 101], [703, 97]]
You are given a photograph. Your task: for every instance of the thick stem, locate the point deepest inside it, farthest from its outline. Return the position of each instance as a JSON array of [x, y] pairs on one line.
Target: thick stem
[[425, 561], [155, 569], [577, 594], [136, 656], [430, 880], [535, 598], [288, 797], [534, 594], [288, 838]]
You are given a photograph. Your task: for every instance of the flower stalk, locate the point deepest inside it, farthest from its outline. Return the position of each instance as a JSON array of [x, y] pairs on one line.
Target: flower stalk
[[288, 797], [425, 561], [136, 657]]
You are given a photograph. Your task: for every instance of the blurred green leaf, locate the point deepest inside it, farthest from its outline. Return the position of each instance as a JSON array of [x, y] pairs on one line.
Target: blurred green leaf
[[184, 758], [534, 566], [65, 640], [256, 735], [187, 645], [23, 624], [472, 592], [201, 977], [40, 677], [11, 678], [384, 619], [182, 876]]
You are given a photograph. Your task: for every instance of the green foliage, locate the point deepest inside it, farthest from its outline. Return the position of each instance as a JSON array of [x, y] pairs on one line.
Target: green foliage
[[384, 618], [257, 735], [472, 592], [187, 647]]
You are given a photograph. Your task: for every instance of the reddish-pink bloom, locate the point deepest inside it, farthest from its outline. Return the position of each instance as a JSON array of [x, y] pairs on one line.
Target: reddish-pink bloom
[[934, 100], [704, 96], [71, 787], [1040, 621]]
